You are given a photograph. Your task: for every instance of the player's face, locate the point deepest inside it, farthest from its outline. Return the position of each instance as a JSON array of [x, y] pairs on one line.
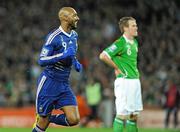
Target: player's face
[[73, 19], [132, 29]]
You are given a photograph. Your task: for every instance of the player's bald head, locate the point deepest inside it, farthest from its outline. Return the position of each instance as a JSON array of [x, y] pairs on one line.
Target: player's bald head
[[64, 12], [68, 17]]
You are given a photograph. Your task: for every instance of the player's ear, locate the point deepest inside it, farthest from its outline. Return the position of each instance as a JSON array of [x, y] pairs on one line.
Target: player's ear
[[64, 18]]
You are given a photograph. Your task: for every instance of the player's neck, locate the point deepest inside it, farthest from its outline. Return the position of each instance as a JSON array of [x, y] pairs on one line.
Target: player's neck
[[65, 28], [129, 37]]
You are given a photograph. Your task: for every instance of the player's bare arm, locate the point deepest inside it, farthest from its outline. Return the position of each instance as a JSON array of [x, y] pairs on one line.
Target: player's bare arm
[[108, 61]]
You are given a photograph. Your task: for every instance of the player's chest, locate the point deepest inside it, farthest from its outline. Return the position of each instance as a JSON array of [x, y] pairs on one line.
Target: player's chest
[[65, 42], [130, 49]]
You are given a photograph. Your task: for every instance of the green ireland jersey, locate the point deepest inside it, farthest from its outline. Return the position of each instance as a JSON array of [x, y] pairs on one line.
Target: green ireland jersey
[[124, 55]]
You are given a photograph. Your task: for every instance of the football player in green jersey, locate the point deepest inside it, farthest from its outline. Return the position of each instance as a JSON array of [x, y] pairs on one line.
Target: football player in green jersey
[[122, 56]]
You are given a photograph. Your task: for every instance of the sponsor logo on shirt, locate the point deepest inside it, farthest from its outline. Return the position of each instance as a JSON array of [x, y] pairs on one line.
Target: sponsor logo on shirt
[[44, 52], [112, 48]]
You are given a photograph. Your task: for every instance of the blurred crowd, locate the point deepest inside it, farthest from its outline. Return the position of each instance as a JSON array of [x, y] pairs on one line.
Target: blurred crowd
[[24, 25]]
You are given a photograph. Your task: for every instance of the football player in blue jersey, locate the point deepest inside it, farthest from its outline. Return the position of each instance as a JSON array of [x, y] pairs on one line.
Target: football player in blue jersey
[[53, 89]]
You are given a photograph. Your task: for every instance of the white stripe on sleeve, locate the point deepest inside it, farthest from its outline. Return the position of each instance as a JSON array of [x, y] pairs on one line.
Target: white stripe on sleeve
[[52, 36]]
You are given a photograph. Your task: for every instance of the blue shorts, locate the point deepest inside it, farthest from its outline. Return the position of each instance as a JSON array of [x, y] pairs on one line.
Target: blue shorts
[[52, 94]]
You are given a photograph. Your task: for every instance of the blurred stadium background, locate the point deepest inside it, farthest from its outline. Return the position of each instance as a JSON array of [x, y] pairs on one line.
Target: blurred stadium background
[[24, 24]]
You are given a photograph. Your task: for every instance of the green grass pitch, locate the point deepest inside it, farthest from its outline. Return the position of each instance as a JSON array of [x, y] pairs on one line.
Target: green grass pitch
[[84, 130]]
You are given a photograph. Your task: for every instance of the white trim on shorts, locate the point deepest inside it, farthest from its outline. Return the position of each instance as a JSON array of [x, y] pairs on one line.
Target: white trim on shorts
[[43, 79]]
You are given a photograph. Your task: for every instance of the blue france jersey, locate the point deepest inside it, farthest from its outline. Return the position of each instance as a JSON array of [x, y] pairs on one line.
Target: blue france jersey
[[56, 43]]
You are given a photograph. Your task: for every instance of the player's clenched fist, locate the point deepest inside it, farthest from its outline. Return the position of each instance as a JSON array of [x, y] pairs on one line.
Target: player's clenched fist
[[69, 52]]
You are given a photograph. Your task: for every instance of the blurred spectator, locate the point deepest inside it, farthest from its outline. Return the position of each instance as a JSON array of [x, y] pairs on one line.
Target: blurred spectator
[[93, 95], [172, 103], [107, 107], [84, 109]]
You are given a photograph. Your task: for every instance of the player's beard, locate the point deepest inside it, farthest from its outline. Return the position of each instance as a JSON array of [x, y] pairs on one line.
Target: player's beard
[[73, 25]]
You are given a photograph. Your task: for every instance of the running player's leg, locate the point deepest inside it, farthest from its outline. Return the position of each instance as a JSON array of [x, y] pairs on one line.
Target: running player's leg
[[67, 103], [41, 124], [44, 105], [69, 118], [72, 114]]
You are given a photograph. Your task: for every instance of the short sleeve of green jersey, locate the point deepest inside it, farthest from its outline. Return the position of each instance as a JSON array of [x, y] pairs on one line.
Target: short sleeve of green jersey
[[114, 49]]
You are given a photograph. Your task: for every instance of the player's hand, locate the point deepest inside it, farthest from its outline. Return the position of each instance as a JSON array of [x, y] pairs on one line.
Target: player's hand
[[70, 52], [77, 65], [117, 72]]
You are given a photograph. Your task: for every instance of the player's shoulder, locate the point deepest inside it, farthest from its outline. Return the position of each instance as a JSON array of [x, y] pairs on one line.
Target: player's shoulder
[[120, 41], [54, 32], [52, 36]]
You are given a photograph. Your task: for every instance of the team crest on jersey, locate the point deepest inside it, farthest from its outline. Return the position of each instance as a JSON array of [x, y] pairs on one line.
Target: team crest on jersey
[[112, 48]]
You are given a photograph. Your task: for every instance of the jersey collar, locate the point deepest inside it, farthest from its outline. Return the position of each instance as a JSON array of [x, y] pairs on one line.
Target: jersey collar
[[67, 34], [127, 40]]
